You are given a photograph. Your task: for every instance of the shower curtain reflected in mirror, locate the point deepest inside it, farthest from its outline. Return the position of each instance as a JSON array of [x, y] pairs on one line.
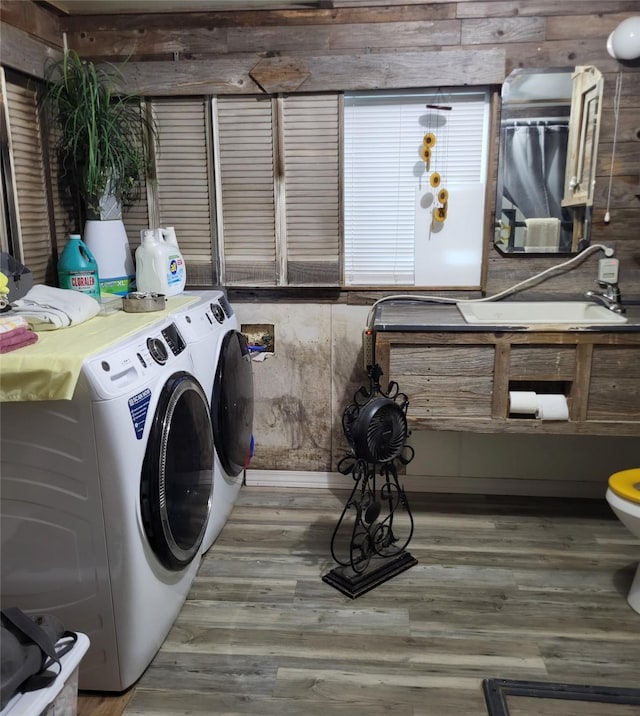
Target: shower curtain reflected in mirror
[[535, 154]]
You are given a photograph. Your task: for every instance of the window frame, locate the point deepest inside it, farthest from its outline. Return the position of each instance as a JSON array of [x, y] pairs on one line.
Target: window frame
[[27, 234], [318, 289], [245, 123], [482, 96], [152, 210]]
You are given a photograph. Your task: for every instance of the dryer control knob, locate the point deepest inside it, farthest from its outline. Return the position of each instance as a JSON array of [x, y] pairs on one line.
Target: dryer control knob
[[218, 313], [158, 350]]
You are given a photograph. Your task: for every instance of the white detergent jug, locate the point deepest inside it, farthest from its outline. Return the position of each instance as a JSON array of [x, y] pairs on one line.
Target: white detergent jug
[[152, 264], [177, 277]]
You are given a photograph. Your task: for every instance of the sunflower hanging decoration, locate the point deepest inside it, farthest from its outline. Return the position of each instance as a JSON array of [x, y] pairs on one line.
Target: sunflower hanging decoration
[[439, 213]]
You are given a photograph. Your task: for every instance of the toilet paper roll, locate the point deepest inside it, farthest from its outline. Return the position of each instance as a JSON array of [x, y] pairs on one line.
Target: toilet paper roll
[[523, 402], [553, 407]]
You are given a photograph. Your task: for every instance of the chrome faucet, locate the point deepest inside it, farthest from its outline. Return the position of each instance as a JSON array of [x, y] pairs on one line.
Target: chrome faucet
[[610, 297]]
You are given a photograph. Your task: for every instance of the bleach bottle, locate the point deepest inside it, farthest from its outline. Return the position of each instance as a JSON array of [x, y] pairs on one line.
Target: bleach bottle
[[152, 265], [78, 269], [177, 276]]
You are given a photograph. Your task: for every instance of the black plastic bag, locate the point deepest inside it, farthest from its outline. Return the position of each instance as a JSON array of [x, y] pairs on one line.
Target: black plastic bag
[[29, 651], [20, 278]]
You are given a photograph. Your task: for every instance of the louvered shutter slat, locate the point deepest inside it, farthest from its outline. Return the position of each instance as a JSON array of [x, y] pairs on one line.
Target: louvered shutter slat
[[247, 193], [183, 191], [34, 240], [312, 188]]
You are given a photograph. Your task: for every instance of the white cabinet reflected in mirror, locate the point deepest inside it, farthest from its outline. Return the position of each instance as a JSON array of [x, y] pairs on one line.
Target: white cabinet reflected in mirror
[[548, 136]]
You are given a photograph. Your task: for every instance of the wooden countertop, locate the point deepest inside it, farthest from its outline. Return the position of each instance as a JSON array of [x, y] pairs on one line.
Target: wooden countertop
[[411, 315]]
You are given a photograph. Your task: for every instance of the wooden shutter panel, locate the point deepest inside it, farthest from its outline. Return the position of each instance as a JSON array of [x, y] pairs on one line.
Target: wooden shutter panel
[[311, 138], [136, 218], [245, 186], [180, 195], [139, 215], [184, 198], [65, 216], [33, 243]]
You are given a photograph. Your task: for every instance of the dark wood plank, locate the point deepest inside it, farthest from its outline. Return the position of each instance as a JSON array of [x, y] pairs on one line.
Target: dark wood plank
[[22, 52], [230, 74], [525, 8], [32, 19]]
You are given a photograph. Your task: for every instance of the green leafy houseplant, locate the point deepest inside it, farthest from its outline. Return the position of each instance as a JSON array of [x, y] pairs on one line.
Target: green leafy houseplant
[[104, 141]]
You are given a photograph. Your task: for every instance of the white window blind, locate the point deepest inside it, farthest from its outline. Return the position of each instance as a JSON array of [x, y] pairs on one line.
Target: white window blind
[[32, 243], [278, 185], [388, 198]]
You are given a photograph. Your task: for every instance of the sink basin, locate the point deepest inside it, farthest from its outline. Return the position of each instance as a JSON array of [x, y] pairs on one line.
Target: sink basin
[[524, 313]]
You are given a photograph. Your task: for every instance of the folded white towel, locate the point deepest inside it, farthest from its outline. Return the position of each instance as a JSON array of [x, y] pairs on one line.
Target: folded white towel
[[46, 308], [542, 234], [9, 323]]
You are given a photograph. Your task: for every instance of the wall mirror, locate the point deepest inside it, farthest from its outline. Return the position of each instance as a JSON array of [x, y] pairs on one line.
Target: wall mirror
[[548, 141]]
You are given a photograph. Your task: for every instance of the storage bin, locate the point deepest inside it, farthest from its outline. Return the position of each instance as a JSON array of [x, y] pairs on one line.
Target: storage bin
[[58, 699]]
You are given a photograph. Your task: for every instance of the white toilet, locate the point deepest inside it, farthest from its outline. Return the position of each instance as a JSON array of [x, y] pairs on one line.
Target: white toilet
[[623, 496]]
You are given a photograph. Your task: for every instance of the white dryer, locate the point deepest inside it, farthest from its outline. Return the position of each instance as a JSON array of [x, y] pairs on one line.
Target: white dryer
[[222, 364], [105, 501]]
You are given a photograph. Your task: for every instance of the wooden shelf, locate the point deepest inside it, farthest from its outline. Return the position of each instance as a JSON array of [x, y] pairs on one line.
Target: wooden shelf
[[460, 380]]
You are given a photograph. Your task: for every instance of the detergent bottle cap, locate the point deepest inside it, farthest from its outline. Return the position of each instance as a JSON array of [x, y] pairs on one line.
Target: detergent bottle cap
[[147, 236]]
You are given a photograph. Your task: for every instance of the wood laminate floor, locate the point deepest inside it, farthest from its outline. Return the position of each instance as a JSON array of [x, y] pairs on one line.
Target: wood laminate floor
[[517, 588]]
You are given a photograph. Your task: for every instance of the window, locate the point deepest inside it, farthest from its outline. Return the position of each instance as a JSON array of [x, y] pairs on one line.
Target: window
[[38, 220], [393, 232], [300, 190], [278, 189], [28, 206], [181, 193]]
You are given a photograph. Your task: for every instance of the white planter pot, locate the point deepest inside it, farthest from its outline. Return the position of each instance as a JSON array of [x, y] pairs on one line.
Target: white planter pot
[[108, 242]]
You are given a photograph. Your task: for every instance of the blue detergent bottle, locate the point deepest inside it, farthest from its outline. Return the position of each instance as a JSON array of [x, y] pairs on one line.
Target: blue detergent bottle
[[78, 269]]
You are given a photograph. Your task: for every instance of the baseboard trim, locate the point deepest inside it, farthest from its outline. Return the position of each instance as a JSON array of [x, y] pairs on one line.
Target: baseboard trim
[[298, 478], [301, 479]]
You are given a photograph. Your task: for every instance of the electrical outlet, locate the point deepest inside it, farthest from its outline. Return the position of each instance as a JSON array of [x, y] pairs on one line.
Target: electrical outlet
[[608, 270], [367, 348]]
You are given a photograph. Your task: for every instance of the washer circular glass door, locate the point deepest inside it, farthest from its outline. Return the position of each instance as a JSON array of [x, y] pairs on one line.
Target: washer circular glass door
[[232, 403], [177, 472]]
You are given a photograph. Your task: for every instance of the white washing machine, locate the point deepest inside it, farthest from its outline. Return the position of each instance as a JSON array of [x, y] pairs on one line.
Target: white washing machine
[[222, 364], [105, 501]]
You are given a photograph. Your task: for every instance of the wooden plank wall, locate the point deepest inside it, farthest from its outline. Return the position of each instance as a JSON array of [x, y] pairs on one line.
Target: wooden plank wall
[[352, 44]]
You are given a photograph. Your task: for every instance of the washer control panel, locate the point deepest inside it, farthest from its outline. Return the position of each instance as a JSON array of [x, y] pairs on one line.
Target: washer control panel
[[135, 360], [174, 340], [201, 320]]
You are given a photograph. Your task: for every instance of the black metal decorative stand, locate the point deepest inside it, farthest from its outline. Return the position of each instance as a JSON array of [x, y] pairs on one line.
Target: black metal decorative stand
[[375, 527]]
